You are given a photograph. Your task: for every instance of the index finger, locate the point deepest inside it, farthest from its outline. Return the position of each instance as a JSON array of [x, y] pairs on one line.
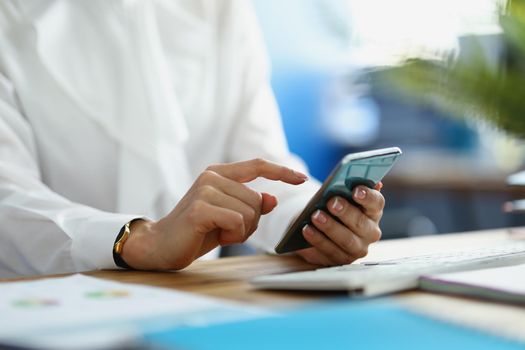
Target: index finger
[[249, 170]]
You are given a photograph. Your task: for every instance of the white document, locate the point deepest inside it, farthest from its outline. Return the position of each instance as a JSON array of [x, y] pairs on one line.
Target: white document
[[500, 283], [517, 179], [85, 312]]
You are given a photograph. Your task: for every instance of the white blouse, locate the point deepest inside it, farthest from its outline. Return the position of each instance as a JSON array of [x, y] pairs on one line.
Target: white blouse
[[108, 111]]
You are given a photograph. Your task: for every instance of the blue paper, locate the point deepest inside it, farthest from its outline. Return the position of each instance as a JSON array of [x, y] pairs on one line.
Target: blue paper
[[344, 325]]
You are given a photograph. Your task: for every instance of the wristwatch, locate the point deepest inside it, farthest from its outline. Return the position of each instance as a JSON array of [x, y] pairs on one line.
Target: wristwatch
[[118, 246]]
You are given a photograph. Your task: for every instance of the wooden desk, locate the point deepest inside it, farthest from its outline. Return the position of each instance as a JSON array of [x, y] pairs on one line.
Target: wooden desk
[[228, 278]]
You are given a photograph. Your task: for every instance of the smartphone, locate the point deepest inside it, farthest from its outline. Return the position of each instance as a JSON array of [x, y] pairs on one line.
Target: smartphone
[[363, 168]]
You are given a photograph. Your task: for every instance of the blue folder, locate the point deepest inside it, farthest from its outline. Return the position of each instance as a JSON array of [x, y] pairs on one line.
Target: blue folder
[[341, 325]]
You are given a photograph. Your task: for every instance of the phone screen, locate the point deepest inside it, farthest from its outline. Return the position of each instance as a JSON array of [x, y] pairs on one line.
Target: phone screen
[[364, 168]]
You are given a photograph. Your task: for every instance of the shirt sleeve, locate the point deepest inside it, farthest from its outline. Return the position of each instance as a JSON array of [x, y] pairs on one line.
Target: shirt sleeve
[[258, 130], [42, 232]]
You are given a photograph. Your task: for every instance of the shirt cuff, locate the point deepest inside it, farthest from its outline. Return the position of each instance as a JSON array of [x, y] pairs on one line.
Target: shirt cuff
[[92, 248]]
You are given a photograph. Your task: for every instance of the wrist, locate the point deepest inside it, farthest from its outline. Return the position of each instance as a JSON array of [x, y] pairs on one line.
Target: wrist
[[138, 250]]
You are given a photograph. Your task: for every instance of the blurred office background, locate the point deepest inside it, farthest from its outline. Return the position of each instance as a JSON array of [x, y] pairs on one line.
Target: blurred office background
[[324, 57]]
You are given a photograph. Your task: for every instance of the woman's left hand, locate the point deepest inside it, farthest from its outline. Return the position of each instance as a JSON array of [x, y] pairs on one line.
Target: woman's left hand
[[334, 243]]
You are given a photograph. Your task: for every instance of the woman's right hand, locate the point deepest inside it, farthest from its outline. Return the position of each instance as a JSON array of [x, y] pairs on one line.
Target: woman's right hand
[[218, 209]]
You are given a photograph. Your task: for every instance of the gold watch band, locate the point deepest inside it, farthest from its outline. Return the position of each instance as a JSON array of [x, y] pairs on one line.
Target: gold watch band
[[119, 244]]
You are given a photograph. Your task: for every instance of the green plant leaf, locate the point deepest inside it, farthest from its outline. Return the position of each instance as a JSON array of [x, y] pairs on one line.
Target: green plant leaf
[[472, 88]]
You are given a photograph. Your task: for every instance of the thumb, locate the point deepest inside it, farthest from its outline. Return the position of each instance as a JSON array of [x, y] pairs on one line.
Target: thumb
[[269, 202]]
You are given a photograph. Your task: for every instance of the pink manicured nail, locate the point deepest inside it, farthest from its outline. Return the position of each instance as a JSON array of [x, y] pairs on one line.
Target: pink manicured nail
[[300, 175], [319, 216], [337, 205], [359, 193], [307, 230]]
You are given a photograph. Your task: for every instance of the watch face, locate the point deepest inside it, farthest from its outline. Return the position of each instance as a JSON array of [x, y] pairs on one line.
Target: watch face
[[122, 237]]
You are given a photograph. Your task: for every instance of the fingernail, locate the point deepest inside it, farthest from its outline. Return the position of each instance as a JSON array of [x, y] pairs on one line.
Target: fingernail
[[359, 193], [300, 175], [337, 205], [307, 230], [319, 216]]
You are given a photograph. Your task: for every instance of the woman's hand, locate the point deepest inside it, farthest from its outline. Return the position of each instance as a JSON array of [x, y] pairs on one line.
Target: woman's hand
[[217, 210], [334, 243]]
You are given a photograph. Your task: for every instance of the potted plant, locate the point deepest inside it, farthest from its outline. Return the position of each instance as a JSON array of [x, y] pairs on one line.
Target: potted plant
[[474, 88]]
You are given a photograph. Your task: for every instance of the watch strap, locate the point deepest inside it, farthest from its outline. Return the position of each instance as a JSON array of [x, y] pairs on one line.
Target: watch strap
[[121, 239]]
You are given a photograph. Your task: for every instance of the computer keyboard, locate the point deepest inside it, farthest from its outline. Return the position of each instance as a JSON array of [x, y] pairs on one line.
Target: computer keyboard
[[393, 275]]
